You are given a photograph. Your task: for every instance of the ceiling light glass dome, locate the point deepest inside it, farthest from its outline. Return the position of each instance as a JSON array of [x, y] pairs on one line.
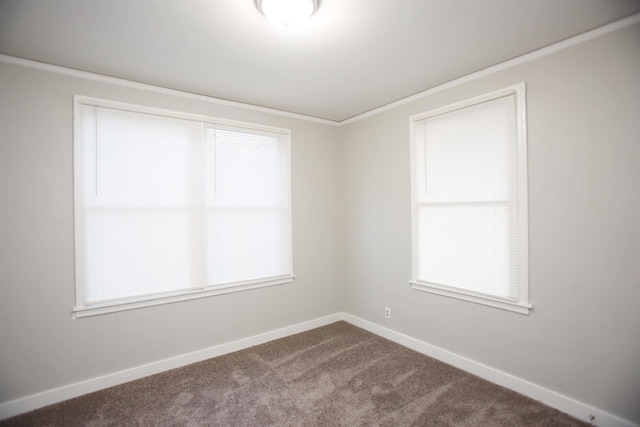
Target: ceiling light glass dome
[[287, 13]]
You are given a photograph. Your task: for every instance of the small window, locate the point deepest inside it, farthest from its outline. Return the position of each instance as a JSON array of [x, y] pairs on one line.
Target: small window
[[171, 206], [469, 200]]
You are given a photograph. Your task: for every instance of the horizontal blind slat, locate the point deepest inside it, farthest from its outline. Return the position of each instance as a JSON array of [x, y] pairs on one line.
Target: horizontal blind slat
[[466, 202]]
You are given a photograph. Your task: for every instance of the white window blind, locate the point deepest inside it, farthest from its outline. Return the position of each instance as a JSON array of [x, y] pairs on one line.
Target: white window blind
[[469, 200], [247, 207], [171, 206]]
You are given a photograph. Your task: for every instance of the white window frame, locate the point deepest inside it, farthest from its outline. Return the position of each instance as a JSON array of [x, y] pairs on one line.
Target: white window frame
[[521, 303], [81, 308]]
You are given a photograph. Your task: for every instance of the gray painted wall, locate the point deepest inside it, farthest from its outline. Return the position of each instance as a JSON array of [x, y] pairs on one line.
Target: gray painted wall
[[41, 346], [583, 337], [351, 229]]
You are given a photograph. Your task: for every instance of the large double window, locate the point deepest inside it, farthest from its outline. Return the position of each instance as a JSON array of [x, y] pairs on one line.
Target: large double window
[[172, 206], [469, 200]]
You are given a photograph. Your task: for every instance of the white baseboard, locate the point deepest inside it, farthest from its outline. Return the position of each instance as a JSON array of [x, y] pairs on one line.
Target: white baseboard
[[49, 397], [551, 398]]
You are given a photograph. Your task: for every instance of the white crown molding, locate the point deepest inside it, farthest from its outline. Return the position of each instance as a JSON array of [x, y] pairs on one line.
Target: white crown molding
[[528, 57], [86, 75], [573, 41]]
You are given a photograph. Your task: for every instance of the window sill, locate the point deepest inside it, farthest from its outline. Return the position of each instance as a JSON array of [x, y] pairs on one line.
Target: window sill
[[504, 304], [153, 300]]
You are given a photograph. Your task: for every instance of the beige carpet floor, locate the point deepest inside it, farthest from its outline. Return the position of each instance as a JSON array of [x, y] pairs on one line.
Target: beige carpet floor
[[336, 375]]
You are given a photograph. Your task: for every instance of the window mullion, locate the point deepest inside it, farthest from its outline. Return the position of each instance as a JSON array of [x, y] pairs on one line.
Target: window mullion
[[202, 203], [467, 203]]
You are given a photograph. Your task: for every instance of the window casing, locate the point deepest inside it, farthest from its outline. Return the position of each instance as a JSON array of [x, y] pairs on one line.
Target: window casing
[[172, 206], [469, 200]]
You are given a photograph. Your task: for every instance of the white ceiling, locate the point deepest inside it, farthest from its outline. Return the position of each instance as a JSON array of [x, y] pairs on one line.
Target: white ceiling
[[351, 57]]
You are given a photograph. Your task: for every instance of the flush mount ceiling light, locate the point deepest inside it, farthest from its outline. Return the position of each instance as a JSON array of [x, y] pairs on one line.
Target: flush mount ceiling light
[[287, 13]]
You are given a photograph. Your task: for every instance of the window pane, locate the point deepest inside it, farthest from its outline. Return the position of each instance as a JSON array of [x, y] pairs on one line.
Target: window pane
[[248, 169], [142, 228], [248, 223], [470, 153], [137, 251], [246, 244], [467, 247]]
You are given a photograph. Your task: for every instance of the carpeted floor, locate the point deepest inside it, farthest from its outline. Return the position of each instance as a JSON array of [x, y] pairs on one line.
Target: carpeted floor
[[336, 375]]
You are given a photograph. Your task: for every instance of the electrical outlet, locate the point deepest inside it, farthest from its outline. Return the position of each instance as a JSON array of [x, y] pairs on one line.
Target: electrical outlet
[[387, 312]]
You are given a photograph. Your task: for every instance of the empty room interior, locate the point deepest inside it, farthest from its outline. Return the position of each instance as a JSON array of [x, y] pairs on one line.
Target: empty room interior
[[453, 181]]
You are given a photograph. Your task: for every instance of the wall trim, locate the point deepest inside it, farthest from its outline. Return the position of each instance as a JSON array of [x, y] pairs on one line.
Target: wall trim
[[100, 78], [59, 394], [549, 397], [518, 60], [528, 57]]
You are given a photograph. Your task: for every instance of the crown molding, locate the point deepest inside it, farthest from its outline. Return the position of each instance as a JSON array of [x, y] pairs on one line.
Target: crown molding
[[528, 57], [522, 59], [86, 75]]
